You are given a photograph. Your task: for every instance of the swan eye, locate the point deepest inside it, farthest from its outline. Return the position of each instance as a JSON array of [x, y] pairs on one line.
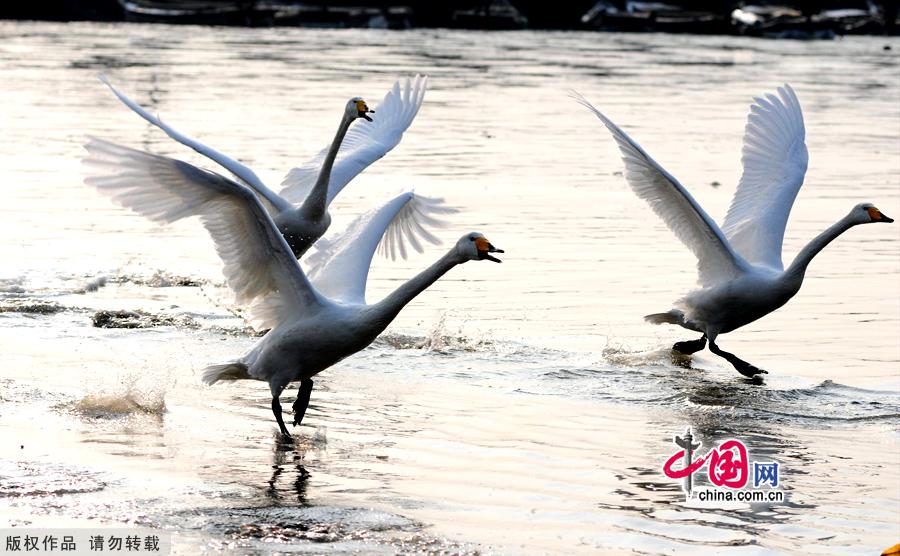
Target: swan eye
[[874, 213]]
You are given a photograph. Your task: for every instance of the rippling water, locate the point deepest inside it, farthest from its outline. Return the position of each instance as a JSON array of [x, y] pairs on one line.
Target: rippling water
[[515, 408]]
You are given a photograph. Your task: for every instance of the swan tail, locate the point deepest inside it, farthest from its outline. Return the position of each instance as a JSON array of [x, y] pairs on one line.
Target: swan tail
[[229, 371], [671, 317]]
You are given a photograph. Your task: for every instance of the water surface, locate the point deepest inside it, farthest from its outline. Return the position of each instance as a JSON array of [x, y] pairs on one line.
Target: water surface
[[514, 408]]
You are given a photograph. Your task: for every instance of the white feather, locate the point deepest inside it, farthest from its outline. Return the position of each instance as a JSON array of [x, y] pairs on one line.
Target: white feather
[[363, 144], [775, 160], [742, 273], [258, 264], [716, 261], [309, 332], [339, 267], [240, 171]]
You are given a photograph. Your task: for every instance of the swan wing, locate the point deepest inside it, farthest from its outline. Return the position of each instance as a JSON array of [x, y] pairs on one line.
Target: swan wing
[[241, 171], [716, 260], [340, 266], [258, 264], [775, 160], [364, 143]]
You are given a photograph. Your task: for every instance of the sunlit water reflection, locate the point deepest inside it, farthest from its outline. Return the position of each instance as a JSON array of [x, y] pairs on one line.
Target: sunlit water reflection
[[522, 407]]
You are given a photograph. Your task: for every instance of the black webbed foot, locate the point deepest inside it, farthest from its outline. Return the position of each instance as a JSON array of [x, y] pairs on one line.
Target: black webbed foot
[[739, 364], [689, 347], [284, 439], [750, 371]]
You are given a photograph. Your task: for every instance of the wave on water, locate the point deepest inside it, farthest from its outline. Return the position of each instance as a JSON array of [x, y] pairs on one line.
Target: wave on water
[[21, 296], [81, 284], [25, 479], [30, 306], [334, 529], [834, 401], [657, 377], [12, 286], [139, 319], [159, 279]]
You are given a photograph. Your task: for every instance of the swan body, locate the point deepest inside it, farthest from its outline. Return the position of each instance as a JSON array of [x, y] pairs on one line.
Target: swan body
[[300, 210], [735, 303], [316, 340], [299, 231], [309, 330], [741, 274]]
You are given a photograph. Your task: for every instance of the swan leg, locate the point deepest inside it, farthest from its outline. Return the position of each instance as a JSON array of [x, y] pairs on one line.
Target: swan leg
[[276, 409], [306, 386], [689, 347], [742, 366]]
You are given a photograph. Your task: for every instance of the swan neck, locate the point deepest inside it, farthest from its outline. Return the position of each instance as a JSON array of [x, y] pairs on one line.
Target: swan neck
[[316, 203], [805, 256], [387, 309]]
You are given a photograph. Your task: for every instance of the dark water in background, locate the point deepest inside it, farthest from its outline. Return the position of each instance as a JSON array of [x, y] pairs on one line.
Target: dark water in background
[[522, 407]]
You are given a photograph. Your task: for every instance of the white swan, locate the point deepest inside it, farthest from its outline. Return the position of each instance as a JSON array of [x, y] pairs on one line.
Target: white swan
[[310, 331], [315, 184], [740, 270]]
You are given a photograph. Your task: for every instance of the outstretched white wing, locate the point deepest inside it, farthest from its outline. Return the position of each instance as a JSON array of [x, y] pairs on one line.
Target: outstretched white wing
[[716, 260], [339, 269], [775, 160], [242, 172], [364, 143], [259, 265]]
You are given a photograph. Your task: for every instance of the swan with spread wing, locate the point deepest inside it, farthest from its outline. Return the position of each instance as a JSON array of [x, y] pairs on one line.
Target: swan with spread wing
[[741, 274], [300, 210], [311, 328]]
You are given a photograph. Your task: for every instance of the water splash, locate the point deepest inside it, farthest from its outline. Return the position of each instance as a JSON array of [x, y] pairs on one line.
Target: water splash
[[440, 339], [135, 394], [111, 404]]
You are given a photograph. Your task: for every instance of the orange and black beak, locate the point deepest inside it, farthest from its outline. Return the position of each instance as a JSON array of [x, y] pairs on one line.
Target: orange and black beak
[[484, 247], [878, 216], [362, 110]]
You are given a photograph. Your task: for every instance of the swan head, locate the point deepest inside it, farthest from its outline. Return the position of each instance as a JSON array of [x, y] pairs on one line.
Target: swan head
[[867, 213], [357, 108], [476, 247]]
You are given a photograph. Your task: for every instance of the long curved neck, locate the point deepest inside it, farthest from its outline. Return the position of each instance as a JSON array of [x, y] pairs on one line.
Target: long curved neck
[[798, 267], [387, 309], [316, 202]]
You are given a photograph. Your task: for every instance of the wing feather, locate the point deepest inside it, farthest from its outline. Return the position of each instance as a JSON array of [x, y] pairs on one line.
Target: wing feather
[[775, 160], [716, 260], [365, 142], [258, 265], [241, 171], [340, 266]]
